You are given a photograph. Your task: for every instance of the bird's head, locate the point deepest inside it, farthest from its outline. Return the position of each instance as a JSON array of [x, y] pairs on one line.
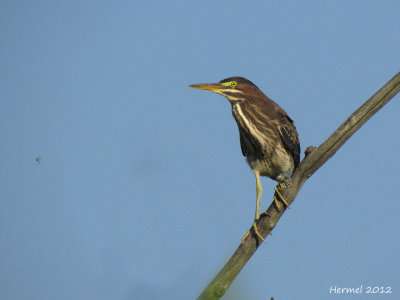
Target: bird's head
[[233, 88]]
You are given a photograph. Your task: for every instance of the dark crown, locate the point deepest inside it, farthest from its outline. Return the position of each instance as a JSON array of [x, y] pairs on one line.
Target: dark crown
[[237, 79]]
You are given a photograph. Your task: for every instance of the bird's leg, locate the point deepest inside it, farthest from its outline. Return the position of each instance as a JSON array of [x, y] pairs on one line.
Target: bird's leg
[[257, 214], [259, 193]]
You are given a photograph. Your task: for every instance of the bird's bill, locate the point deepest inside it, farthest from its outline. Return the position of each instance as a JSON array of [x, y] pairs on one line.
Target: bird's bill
[[208, 86]]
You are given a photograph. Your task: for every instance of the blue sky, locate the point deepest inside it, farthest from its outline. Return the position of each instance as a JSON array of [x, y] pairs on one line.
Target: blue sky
[[142, 191]]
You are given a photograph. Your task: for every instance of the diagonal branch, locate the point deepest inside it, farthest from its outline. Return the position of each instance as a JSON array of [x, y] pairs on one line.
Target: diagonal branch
[[314, 159]]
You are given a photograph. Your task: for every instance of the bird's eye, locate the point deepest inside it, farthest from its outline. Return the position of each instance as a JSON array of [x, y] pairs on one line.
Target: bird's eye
[[233, 84]]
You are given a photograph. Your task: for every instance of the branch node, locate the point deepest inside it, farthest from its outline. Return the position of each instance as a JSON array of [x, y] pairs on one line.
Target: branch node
[[309, 150]]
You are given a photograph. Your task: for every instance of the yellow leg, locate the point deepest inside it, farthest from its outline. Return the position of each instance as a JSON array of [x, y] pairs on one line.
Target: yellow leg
[[281, 198], [257, 214], [258, 192]]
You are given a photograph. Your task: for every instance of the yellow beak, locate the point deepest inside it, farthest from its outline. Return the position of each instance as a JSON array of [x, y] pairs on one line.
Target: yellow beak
[[208, 86]]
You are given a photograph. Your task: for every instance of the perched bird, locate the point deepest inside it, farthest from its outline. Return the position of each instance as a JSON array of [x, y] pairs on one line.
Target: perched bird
[[268, 137]]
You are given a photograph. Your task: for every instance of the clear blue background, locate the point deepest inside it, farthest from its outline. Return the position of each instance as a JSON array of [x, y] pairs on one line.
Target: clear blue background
[[142, 191]]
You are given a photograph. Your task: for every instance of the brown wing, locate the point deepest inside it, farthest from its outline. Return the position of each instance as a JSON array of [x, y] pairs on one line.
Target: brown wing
[[290, 138]]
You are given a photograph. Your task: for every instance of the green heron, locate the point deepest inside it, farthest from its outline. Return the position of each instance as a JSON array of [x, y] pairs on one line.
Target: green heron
[[268, 137]]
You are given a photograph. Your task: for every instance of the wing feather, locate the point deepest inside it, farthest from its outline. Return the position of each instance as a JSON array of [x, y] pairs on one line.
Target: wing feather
[[290, 138]]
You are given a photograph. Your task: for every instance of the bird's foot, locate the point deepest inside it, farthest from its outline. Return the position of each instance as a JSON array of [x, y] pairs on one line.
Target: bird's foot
[[278, 189], [256, 231], [254, 226], [245, 236]]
